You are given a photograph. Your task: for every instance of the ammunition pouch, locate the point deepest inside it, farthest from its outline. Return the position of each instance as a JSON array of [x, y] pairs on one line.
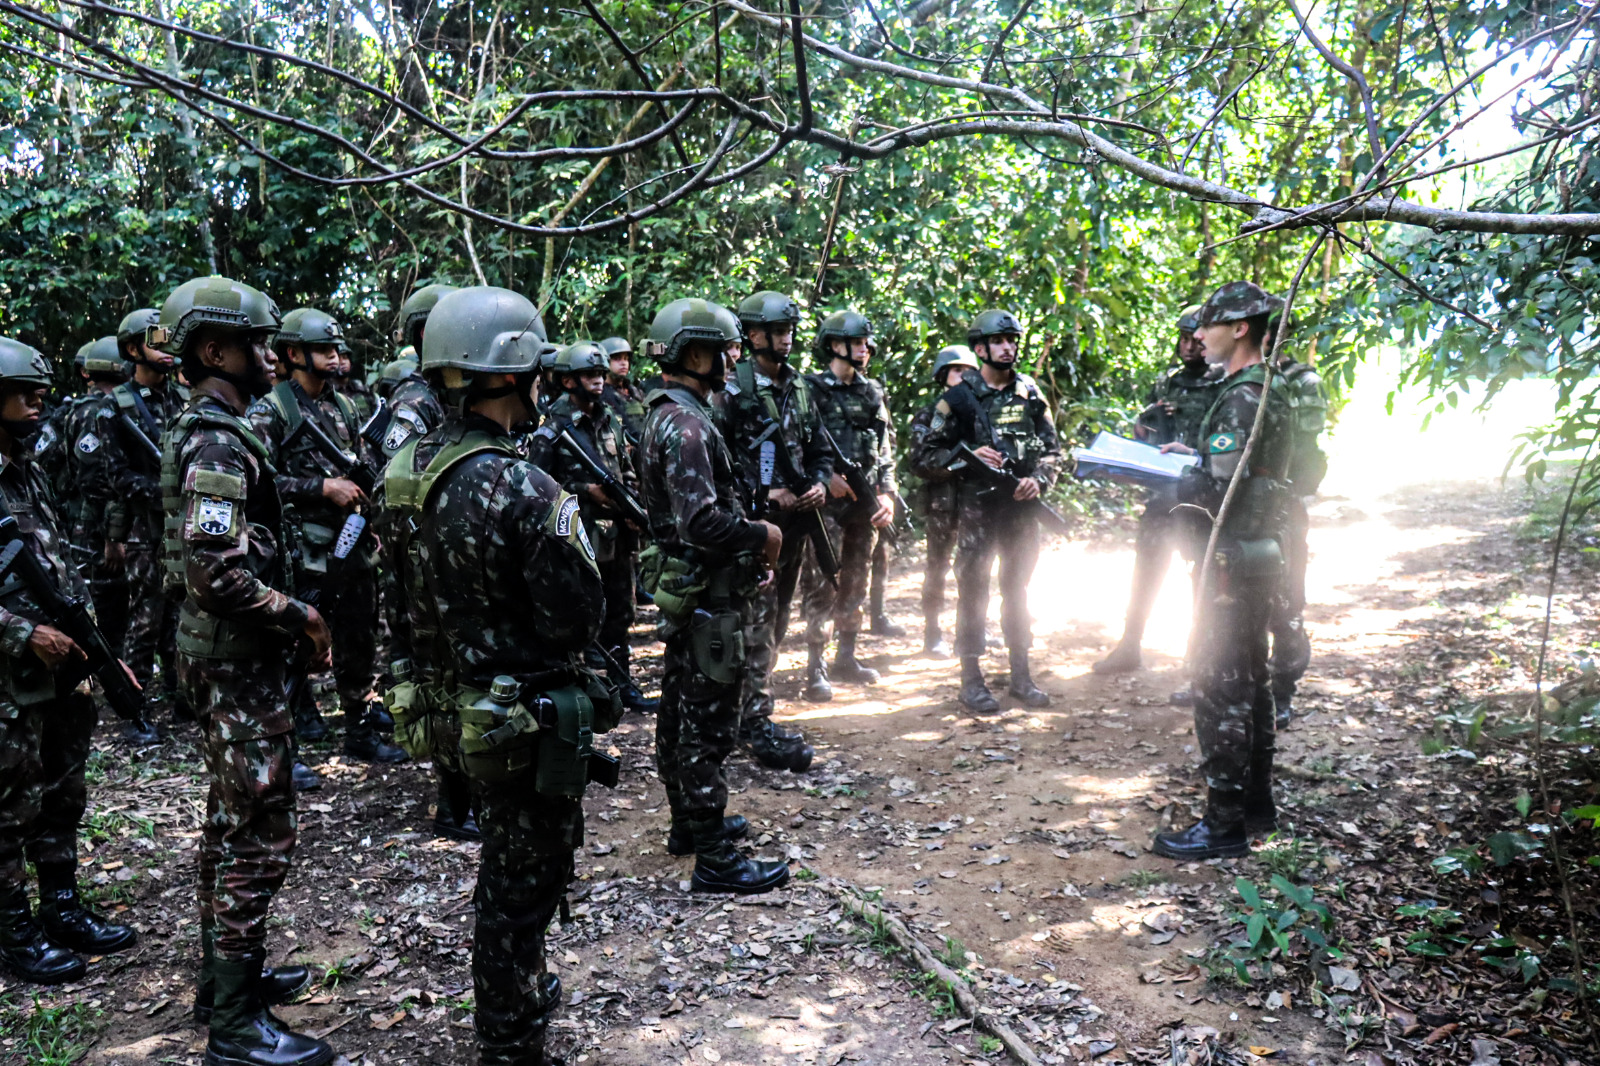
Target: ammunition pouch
[[202, 635], [676, 583], [316, 547], [547, 734], [425, 723], [717, 643], [1255, 561], [1259, 510]]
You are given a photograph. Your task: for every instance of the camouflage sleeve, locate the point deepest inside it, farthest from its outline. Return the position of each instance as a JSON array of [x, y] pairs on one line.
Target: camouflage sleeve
[[1048, 467], [933, 454], [888, 483], [266, 423], [542, 446], [218, 540], [692, 490], [542, 523], [1231, 425], [90, 447], [817, 458]]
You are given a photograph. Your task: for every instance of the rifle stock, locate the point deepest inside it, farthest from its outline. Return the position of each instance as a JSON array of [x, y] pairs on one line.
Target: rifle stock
[[1002, 483]]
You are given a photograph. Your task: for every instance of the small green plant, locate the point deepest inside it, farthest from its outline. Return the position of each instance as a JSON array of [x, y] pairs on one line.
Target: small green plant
[[1437, 923], [1289, 856], [953, 954], [1285, 926], [878, 933], [989, 1045], [937, 993], [1143, 878], [103, 826], [338, 973], [49, 1036], [805, 873]]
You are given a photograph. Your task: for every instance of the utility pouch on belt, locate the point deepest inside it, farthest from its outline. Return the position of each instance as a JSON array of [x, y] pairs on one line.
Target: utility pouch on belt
[[717, 640], [316, 545], [675, 583], [424, 729], [507, 734], [1256, 560]]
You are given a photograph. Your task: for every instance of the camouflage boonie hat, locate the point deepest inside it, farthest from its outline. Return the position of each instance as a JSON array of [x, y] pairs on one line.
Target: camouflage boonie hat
[[1237, 301]]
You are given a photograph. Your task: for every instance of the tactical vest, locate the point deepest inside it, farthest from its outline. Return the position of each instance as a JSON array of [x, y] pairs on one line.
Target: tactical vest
[[744, 373], [1308, 417], [287, 404]]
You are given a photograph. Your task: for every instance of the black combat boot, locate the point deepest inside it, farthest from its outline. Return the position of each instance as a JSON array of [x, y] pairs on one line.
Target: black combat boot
[[846, 667], [975, 695], [775, 747], [884, 626], [1124, 658], [26, 951], [1283, 703], [308, 723], [526, 1048], [243, 1032], [817, 689], [718, 866], [1220, 834], [66, 921], [680, 841], [361, 739], [453, 817], [933, 643], [632, 698], [1022, 686], [279, 984], [304, 777], [143, 733], [1260, 811]]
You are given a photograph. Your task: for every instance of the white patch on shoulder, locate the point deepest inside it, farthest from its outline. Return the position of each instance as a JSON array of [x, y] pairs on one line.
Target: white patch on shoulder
[[47, 437], [400, 431], [569, 507], [583, 538], [215, 516], [88, 444]]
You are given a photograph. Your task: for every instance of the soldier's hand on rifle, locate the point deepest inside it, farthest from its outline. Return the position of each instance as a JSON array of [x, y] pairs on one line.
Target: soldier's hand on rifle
[[813, 498], [54, 647], [991, 457], [839, 488], [116, 556], [598, 495], [134, 681], [782, 498], [343, 492], [1027, 489], [884, 515], [316, 630]]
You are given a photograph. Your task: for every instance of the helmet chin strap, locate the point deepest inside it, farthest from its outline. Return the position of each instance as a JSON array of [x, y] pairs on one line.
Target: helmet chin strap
[[715, 382]]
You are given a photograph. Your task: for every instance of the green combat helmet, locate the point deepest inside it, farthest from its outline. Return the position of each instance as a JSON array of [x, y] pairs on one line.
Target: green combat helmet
[[211, 301], [580, 357], [415, 311], [135, 323], [102, 360], [954, 355], [729, 323], [681, 323], [612, 345], [307, 327], [768, 308], [840, 326], [400, 367], [1189, 321], [993, 324], [1237, 301], [483, 329], [23, 365]]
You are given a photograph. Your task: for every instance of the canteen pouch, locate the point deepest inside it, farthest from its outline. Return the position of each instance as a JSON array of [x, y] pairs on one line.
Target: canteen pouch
[[717, 641], [316, 546], [1256, 560], [674, 583], [566, 749], [413, 723], [498, 741]]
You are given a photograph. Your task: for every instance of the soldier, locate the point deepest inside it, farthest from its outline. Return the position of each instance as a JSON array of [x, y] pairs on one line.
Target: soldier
[[312, 433], [140, 412], [504, 593], [45, 724], [1003, 417], [772, 425], [413, 408], [398, 369], [598, 429], [855, 415], [702, 568], [624, 396], [1176, 405], [881, 624], [225, 549], [1233, 711], [939, 496]]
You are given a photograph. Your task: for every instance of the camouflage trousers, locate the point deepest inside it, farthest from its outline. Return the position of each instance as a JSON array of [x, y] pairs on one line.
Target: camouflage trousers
[[1162, 527], [827, 609], [348, 601], [108, 590], [1234, 718], [152, 618], [766, 623], [43, 752], [248, 836], [1291, 645], [941, 543], [696, 727], [984, 533], [523, 871], [879, 589], [616, 579]]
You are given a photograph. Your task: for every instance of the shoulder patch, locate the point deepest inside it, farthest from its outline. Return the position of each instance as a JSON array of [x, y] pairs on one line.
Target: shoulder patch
[[1222, 443], [47, 439], [88, 444], [569, 508], [400, 431], [214, 516]]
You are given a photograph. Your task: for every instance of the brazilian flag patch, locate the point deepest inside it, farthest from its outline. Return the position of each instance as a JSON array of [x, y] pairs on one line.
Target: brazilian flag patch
[[1221, 443]]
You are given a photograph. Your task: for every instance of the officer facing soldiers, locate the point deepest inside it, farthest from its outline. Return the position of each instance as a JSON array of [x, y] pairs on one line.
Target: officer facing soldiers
[[624, 396], [1175, 407], [854, 414], [702, 569], [503, 591], [1003, 417], [1233, 711], [142, 409], [784, 469], [45, 723], [313, 437], [225, 549], [597, 429], [938, 496]]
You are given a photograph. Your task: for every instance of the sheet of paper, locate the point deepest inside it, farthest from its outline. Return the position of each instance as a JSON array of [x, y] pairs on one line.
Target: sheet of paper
[[1118, 457]]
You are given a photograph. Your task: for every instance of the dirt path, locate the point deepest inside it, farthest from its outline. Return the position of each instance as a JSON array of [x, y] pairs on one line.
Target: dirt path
[[1018, 845]]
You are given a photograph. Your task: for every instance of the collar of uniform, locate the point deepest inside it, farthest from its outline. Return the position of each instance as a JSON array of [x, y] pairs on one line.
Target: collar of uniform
[[207, 390]]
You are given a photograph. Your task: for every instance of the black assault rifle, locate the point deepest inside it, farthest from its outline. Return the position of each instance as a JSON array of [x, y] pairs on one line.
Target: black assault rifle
[[773, 458], [139, 437], [866, 493], [1002, 484], [623, 500], [70, 614], [341, 463]]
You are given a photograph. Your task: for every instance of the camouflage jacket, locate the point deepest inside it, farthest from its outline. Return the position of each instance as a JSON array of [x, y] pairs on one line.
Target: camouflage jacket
[[938, 489], [602, 434], [50, 447], [86, 487], [133, 514], [689, 481], [1224, 432], [627, 400], [1308, 417], [24, 679], [857, 415], [1015, 419], [753, 402], [414, 412], [509, 575], [1191, 394]]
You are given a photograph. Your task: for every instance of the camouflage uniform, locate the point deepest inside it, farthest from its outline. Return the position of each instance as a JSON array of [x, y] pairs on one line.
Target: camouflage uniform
[[1308, 414], [626, 399], [937, 498], [414, 412], [91, 496]]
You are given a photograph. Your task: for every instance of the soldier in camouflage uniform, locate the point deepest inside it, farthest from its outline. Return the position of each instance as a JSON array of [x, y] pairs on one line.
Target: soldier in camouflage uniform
[[45, 723], [599, 430], [413, 408], [938, 497], [396, 370], [771, 424], [878, 588], [225, 550], [854, 412], [141, 410], [318, 489], [1002, 415], [1233, 711], [1175, 407], [702, 569], [622, 393], [504, 592]]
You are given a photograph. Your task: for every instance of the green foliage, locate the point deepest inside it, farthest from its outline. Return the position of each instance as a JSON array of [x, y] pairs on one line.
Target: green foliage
[[47, 1035], [1283, 924]]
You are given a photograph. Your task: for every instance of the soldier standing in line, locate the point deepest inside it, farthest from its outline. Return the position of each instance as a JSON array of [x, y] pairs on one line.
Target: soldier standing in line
[[1233, 711], [1002, 416], [396, 370], [772, 426], [1177, 404], [855, 414], [504, 593], [413, 408], [880, 624], [45, 725], [624, 396], [225, 549], [939, 496], [305, 421], [702, 569], [597, 429], [141, 411]]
